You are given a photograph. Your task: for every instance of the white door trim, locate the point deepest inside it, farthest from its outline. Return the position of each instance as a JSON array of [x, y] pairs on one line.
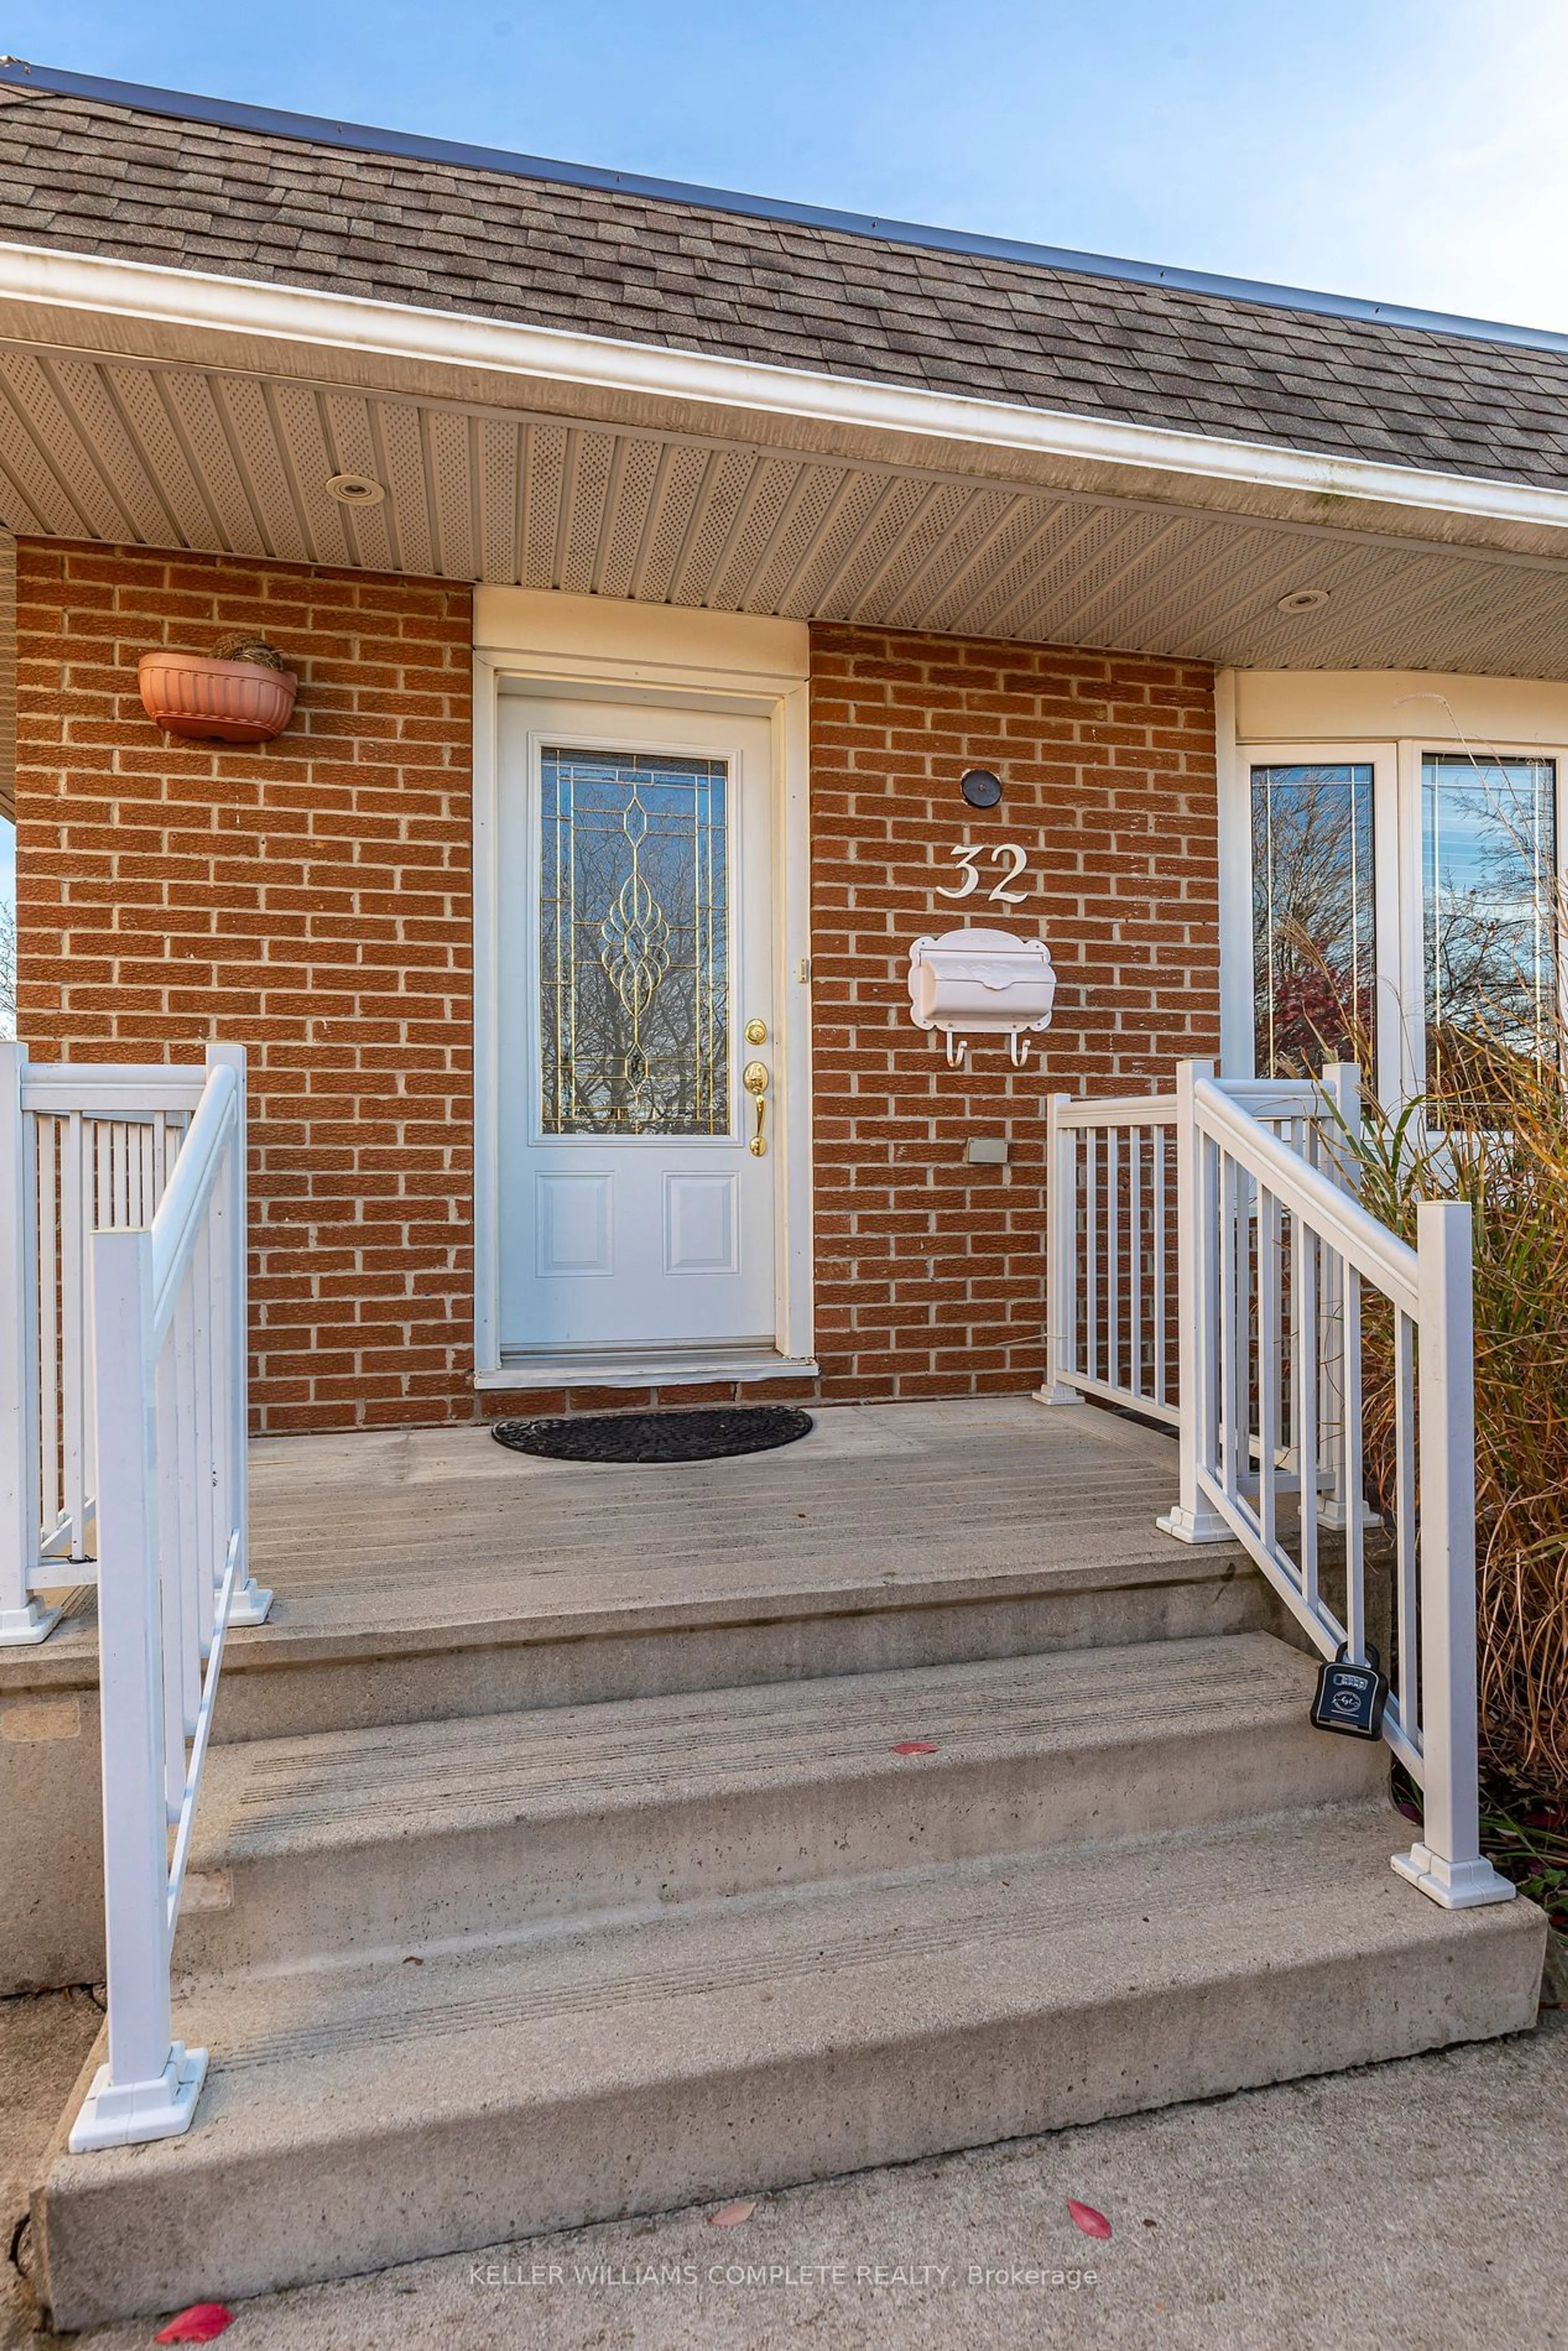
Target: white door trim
[[576, 643]]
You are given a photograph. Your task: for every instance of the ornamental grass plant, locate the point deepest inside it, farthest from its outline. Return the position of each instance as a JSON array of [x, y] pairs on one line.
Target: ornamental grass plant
[[1496, 1138]]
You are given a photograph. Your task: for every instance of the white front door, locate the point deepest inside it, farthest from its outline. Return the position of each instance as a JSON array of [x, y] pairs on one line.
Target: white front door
[[635, 1028]]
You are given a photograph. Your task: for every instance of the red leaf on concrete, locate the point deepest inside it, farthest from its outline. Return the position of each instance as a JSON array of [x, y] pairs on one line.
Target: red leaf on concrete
[[915, 1747], [200, 2323], [730, 2216], [1084, 2217]]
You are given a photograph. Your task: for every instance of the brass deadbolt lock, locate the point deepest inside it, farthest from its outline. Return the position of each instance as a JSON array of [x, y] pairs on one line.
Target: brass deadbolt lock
[[757, 1032]]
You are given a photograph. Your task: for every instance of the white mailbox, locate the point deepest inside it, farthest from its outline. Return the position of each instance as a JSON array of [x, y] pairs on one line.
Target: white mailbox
[[981, 983]]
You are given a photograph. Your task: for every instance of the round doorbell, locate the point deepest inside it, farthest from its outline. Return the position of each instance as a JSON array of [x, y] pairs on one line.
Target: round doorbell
[[980, 788]]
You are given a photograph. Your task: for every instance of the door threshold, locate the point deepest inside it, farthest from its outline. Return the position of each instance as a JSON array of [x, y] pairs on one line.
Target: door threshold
[[634, 1367]]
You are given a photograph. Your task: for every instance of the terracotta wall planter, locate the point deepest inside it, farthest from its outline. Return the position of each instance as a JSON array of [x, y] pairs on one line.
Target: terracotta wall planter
[[216, 701]]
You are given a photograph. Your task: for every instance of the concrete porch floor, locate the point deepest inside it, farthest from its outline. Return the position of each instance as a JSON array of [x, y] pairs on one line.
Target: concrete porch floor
[[424, 1573], [385, 1536], [429, 1572], [400, 1530]]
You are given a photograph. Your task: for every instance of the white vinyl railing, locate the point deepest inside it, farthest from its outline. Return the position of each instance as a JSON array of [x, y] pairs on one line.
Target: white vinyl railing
[[1255, 1308], [1111, 1242], [84, 1148], [169, 1341], [124, 1425]]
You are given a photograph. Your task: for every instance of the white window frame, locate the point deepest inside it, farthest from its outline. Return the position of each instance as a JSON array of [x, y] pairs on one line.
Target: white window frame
[[1413, 751], [1386, 911], [1396, 761]]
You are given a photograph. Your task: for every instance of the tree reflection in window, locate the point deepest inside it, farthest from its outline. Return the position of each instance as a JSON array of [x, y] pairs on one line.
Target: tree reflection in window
[[1314, 920], [633, 945], [1488, 858]]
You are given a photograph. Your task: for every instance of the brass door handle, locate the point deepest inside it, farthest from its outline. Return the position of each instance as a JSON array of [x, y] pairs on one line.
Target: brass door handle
[[754, 1078]]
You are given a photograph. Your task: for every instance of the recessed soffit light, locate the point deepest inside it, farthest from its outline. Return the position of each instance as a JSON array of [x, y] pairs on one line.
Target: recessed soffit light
[[1304, 599], [356, 489]]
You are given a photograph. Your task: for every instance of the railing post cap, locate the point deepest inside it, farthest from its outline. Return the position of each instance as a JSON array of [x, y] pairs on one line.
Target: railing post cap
[[1441, 1212]]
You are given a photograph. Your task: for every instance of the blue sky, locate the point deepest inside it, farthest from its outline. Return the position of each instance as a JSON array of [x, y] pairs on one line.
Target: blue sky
[[1409, 150]]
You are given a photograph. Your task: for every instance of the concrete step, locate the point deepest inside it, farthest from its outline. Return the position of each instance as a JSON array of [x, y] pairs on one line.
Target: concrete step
[[356, 1657], [589, 1649], [407, 1839], [353, 2119], [428, 1574]]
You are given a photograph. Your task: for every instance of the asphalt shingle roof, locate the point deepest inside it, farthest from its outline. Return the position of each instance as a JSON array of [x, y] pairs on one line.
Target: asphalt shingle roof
[[110, 178]]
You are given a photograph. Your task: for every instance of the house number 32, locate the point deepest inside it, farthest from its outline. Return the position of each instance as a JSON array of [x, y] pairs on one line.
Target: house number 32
[[967, 856]]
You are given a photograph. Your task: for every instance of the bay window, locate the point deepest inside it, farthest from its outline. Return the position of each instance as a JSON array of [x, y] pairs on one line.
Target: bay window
[[1402, 897]]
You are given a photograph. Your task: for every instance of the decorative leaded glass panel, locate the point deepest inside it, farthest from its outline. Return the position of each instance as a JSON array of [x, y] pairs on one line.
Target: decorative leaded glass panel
[[1314, 926], [1488, 862], [635, 945]]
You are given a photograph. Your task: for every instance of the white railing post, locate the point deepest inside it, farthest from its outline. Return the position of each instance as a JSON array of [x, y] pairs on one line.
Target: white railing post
[[23, 1619], [1060, 1253], [1194, 1520], [1341, 1085], [149, 2087], [250, 1601], [1446, 1863]]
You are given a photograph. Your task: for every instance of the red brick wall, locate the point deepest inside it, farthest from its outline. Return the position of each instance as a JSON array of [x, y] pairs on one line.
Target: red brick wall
[[929, 1271], [308, 899]]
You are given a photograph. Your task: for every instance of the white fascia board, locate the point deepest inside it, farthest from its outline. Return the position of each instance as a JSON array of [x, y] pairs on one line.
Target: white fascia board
[[198, 299]]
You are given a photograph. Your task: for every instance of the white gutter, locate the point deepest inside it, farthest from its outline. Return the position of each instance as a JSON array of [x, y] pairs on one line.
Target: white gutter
[[202, 300]]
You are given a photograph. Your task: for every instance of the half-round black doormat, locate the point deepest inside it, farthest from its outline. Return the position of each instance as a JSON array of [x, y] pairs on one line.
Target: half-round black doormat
[[657, 1435]]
